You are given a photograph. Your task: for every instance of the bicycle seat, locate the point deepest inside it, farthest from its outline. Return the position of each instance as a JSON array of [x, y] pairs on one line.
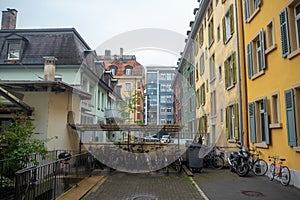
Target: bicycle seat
[[282, 159]]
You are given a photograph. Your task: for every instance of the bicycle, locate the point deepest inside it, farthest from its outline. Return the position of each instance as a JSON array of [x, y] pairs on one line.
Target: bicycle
[[176, 159], [278, 170], [256, 164], [212, 159]]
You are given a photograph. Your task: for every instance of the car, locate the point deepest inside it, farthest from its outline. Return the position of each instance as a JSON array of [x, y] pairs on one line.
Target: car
[[165, 139], [150, 139]]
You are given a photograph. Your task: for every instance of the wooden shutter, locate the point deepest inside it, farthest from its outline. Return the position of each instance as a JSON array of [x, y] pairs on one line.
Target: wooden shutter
[[236, 121], [246, 10], [233, 57], [266, 119], [251, 107], [262, 45], [231, 19], [290, 117], [226, 69], [249, 55], [224, 30], [284, 33], [227, 123]]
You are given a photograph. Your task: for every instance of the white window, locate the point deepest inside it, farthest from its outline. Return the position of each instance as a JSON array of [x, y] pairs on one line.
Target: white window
[[232, 122], [213, 104], [14, 51], [251, 7], [275, 111], [128, 71], [212, 68], [297, 23]]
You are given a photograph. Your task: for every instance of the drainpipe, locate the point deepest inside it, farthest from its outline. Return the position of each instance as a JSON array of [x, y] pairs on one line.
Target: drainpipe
[[241, 124]]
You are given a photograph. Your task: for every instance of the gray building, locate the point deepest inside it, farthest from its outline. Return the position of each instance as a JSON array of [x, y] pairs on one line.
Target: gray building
[[159, 96]]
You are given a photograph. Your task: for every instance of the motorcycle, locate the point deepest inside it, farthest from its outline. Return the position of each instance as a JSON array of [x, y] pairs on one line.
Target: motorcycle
[[238, 161]]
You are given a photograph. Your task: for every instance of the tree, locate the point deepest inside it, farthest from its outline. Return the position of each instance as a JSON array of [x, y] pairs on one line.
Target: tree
[[18, 141]]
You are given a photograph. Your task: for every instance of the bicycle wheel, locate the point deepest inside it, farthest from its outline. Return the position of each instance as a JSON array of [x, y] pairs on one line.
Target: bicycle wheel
[[272, 172], [218, 162], [285, 176], [178, 165], [260, 167]]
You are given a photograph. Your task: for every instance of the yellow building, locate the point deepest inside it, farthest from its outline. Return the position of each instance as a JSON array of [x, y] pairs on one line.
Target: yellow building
[[217, 86], [271, 42]]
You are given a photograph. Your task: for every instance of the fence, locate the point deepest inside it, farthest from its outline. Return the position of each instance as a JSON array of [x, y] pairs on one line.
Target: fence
[[50, 180]]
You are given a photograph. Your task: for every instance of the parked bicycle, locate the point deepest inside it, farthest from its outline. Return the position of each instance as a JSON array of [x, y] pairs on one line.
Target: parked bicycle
[[256, 164], [176, 160], [279, 171], [214, 160]]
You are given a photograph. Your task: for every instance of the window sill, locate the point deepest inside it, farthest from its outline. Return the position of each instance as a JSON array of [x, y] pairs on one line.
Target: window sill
[[297, 149], [255, 76], [228, 39], [270, 49], [232, 140], [230, 87], [293, 54], [210, 44], [253, 15], [275, 125], [212, 80], [261, 145]]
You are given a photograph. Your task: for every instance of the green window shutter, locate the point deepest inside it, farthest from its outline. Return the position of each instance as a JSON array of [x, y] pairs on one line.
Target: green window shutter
[[236, 121], [290, 117], [251, 110], [249, 56], [246, 10], [262, 45], [231, 19], [226, 69], [224, 30], [284, 33], [266, 118], [227, 124], [233, 56]]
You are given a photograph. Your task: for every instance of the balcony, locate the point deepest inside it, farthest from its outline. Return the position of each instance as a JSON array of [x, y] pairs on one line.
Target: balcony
[[112, 113]]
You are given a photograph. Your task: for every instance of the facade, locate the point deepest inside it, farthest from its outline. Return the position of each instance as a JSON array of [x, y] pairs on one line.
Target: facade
[[130, 75], [60, 57], [272, 45], [159, 95]]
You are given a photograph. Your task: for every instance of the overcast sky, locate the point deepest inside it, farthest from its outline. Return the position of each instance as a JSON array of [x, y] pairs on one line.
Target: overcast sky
[[103, 24]]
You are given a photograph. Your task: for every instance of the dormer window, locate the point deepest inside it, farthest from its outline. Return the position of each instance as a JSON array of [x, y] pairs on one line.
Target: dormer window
[[14, 49], [128, 70], [113, 70]]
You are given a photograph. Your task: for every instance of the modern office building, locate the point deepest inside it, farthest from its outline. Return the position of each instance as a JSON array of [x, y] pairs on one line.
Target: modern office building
[[159, 96]]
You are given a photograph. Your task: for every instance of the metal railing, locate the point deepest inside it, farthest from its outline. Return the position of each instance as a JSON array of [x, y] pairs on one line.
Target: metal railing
[[50, 180]]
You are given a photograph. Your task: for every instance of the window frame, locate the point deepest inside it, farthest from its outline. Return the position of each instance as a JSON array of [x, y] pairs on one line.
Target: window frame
[[211, 32], [270, 37], [232, 122], [212, 68], [275, 110], [17, 48]]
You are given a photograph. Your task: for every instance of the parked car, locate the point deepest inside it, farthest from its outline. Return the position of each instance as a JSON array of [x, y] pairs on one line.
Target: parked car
[[150, 139], [165, 139]]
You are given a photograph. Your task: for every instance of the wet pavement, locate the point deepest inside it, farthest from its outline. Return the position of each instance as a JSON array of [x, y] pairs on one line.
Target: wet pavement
[[209, 184]]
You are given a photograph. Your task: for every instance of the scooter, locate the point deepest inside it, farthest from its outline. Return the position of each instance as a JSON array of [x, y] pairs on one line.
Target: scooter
[[238, 161]]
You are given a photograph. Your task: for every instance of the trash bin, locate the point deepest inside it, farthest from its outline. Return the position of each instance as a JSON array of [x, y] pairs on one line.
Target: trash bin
[[194, 162]]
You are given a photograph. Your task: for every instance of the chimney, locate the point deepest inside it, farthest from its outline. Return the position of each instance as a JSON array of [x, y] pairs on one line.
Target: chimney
[[107, 55], [121, 52], [9, 19], [49, 68]]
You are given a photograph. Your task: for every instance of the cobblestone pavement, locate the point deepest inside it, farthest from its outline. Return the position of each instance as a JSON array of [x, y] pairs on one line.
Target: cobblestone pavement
[[215, 184], [160, 186]]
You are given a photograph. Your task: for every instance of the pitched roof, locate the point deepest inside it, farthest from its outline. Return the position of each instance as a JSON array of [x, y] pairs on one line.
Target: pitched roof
[[137, 68], [65, 44]]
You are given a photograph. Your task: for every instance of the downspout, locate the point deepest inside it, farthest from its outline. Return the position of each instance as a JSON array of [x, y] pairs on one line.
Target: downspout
[[241, 124]]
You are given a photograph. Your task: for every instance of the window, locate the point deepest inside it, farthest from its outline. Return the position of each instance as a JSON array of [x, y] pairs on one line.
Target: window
[[201, 36], [212, 68], [292, 106], [197, 72], [169, 121], [198, 97], [14, 49], [270, 37], [230, 71], [128, 70], [213, 104], [163, 76], [128, 86], [220, 73], [202, 67], [113, 70], [210, 9], [99, 100], [232, 122], [221, 116], [162, 109], [275, 111], [202, 94], [259, 123], [251, 8], [289, 19], [202, 125], [228, 25], [256, 56], [211, 32], [169, 110]]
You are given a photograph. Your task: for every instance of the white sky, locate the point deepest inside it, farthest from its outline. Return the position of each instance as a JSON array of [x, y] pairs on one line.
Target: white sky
[[98, 21]]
